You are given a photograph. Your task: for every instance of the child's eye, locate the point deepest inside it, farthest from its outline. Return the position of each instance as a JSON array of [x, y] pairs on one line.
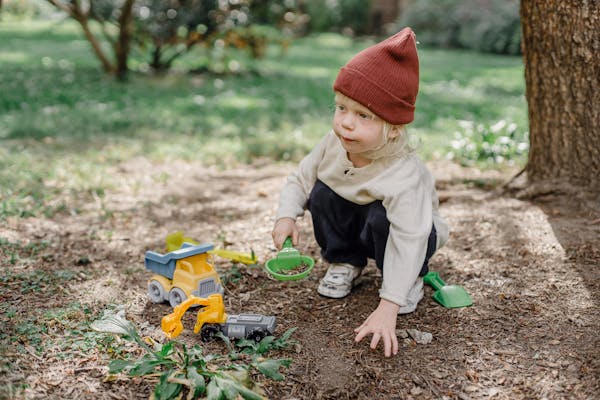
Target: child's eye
[[339, 107], [364, 116]]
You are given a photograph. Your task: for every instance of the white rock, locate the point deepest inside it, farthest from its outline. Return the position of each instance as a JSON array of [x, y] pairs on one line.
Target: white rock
[[420, 337]]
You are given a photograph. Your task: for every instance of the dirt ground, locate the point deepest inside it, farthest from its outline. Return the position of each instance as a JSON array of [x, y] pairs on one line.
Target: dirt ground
[[531, 267]]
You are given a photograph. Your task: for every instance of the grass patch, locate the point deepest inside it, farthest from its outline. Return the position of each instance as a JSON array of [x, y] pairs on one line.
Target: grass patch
[[63, 332], [63, 124], [17, 253], [35, 281], [40, 334]]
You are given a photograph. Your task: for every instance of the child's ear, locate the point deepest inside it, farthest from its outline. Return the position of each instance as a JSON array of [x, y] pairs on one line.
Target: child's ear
[[395, 132]]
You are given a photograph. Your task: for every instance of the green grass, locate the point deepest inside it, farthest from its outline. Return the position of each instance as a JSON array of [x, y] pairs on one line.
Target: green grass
[[63, 123]]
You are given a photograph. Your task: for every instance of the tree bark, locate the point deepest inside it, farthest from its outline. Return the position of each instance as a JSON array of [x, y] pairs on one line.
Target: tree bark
[[123, 44], [561, 46], [106, 64]]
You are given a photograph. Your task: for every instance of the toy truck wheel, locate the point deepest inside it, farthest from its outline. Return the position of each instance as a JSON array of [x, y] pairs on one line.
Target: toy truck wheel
[[176, 297], [156, 291], [257, 334], [208, 332]]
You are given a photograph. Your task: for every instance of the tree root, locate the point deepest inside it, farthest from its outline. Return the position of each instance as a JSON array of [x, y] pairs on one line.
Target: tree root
[[520, 187]]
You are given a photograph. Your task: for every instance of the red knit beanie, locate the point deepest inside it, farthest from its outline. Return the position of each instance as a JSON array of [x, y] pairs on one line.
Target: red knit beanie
[[384, 78]]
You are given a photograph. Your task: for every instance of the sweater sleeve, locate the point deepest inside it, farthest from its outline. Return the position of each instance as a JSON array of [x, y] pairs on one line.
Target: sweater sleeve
[[410, 216], [295, 192]]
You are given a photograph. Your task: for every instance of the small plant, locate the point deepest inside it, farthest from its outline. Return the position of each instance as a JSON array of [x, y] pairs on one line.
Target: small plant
[[230, 276], [188, 369], [30, 333], [496, 144], [33, 281], [18, 251], [269, 343]]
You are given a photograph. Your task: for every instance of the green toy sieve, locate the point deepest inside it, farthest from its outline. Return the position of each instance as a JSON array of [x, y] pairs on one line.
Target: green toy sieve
[[289, 265]]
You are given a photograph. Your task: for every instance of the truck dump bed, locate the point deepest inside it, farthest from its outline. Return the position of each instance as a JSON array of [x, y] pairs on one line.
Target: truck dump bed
[[164, 264]]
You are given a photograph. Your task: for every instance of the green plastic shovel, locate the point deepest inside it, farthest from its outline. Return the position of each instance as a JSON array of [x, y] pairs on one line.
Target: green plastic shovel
[[289, 265], [450, 296]]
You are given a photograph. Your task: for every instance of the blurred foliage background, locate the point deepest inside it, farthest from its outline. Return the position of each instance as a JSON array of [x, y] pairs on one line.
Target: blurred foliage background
[[234, 81]]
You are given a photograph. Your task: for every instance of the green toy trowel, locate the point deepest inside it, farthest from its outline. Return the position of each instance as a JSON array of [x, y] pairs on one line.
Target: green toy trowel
[[449, 296]]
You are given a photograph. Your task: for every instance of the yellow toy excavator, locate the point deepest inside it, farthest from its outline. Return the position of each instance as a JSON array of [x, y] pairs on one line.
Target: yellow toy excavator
[[213, 312], [213, 319]]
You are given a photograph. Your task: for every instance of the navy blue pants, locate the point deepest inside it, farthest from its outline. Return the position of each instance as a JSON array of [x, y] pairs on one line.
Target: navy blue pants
[[350, 233]]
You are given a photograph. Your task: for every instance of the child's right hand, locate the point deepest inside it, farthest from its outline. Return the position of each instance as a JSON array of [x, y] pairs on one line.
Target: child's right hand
[[283, 228]]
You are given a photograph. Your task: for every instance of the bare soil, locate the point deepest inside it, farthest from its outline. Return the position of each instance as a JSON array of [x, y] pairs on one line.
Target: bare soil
[[531, 267]]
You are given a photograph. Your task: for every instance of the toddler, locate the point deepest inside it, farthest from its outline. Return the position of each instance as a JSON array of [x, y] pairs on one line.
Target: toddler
[[369, 195]]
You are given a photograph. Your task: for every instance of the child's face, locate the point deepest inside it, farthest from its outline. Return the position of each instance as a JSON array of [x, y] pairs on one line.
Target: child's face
[[358, 129]]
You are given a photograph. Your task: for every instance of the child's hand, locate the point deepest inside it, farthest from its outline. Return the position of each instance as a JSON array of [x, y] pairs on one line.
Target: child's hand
[[283, 228], [382, 324]]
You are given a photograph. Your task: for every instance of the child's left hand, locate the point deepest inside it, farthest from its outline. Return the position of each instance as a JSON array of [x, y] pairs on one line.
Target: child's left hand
[[382, 324]]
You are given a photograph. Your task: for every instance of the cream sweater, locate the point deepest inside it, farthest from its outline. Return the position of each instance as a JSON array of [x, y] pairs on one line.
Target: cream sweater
[[403, 184]]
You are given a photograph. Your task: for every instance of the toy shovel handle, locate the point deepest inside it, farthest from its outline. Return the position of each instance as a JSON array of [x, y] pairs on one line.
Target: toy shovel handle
[[288, 250], [433, 279], [287, 243]]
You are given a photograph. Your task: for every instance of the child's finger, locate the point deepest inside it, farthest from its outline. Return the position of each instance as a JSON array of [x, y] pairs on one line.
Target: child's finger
[[387, 346], [280, 240], [375, 340], [360, 333], [391, 345]]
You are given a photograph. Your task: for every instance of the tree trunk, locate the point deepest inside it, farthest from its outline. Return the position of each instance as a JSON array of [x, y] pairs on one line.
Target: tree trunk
[[106, 64], [561, 46], [75, 11], [123, 44]]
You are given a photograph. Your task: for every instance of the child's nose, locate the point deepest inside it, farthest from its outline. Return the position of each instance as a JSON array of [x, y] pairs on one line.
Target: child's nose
[[348, 121]]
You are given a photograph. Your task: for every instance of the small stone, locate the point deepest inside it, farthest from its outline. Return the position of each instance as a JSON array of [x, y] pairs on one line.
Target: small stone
[[401, 333], [415, 391], [420, 337], [439, 374], [470, 388]]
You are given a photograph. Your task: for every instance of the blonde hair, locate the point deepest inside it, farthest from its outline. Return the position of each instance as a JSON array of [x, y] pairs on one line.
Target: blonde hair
[[403, 140]]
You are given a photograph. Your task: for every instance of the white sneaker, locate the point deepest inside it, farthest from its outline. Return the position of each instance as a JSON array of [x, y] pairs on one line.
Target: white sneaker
[[414, 296], [339, 280]]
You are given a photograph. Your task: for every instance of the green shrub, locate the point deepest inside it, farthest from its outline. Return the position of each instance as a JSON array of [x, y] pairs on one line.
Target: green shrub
[[24, 9], [288, 15], [490, 26], [353, 15], [322, 16], [338, 15], [485, 25], [433, 21], [499, 143]]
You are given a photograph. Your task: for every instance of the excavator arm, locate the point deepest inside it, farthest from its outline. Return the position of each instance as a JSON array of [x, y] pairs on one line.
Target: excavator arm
[[213, 312]]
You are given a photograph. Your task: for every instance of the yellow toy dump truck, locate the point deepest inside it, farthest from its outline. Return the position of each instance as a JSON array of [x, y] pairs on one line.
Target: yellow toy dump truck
[[181, 274], [212, 319]]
